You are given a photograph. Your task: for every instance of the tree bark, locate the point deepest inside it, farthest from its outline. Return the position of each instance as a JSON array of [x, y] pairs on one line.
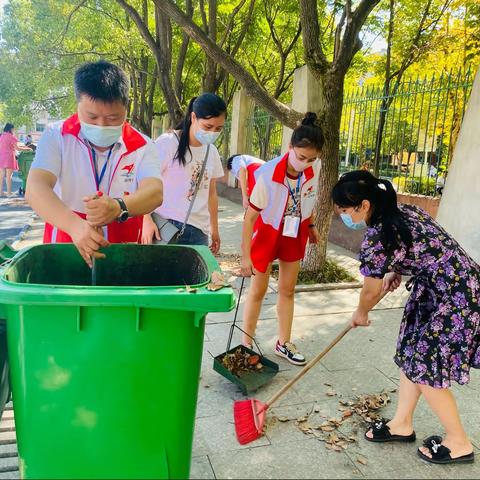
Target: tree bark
[[386, 91], [175, 110], [210, 77], [329, 119]]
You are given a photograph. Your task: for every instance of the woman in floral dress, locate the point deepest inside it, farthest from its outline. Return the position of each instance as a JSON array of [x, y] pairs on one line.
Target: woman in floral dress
[[439, 339]]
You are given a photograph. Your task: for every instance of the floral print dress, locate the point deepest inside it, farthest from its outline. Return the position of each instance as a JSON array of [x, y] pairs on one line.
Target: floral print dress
[[439, 339]]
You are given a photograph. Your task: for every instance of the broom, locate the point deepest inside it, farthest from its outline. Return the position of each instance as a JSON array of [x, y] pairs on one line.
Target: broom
[[249, 415]]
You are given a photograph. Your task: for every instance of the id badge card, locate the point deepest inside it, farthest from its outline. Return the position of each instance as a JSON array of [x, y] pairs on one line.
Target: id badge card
[[291, 226]]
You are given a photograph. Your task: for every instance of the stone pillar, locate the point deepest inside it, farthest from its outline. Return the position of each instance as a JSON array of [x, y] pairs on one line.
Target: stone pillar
[[242, 107], [306, 98], [156, 127], [460, 204], [166, 123]]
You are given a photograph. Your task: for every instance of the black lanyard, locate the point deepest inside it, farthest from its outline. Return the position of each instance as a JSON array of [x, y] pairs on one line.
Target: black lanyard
[[98, 179]]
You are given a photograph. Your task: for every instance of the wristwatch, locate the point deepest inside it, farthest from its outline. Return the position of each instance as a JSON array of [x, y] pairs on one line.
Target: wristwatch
[[123, 217]]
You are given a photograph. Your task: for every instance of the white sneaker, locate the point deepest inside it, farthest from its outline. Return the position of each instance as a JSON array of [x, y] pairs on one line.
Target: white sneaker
[[289, 351]]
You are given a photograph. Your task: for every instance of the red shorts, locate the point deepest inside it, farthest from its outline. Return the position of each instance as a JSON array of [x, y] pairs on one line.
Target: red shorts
[[287, 249]]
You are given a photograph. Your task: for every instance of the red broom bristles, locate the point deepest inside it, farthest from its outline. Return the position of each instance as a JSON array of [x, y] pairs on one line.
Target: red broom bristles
[[249, 420]]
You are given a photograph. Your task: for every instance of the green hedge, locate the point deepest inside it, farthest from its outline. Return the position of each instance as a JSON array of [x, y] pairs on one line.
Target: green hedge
[[419, 185]]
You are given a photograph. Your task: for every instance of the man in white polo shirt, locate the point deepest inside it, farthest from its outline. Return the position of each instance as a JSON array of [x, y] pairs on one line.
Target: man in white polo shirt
[[94, 169]]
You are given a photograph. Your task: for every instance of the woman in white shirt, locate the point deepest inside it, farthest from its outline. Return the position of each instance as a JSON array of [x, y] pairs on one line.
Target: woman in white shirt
[[181, 153]]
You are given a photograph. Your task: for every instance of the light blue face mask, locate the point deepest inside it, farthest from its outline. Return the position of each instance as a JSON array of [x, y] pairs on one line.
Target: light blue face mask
[[347, 220], [206, 138], [101, 136]]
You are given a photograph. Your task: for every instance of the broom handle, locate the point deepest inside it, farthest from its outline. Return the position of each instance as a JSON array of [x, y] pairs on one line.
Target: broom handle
[[308, 366], [313, 362]]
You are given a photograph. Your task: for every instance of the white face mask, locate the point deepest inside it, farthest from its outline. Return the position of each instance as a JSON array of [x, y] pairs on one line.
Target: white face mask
[[296, 164], [101, 136], [206, 138]]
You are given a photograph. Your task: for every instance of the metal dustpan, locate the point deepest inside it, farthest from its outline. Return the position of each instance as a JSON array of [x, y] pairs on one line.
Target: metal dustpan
[[247, 380]]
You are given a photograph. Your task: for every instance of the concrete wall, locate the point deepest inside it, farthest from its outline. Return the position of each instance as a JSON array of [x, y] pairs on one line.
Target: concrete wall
[[459, 210], [429, 204]]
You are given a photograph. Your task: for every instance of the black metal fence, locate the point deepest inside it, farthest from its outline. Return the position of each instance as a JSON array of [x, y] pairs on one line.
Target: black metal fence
[[407, 136], [418, 123], [264, 134]]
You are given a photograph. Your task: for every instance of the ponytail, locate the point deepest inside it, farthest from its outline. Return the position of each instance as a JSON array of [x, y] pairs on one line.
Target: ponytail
[[308, 133], [354, 187], [207, 105], [183, 141]]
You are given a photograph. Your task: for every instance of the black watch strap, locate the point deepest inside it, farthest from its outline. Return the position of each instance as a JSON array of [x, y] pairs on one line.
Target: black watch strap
[[123, 217]]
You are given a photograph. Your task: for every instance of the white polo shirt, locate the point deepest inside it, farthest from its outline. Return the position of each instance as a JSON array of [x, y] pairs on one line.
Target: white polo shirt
[[243, 161], [63, 151], [179, 181]]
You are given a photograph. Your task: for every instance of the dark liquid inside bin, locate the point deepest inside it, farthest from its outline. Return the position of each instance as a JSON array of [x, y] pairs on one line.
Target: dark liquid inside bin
[[125, 265]]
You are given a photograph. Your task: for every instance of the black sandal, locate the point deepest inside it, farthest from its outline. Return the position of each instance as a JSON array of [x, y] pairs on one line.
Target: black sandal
[[381, 433], [440, 453]]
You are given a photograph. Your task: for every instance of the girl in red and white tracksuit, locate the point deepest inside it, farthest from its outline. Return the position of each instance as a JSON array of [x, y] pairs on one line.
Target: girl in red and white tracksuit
[[244, 168], [277, 225]]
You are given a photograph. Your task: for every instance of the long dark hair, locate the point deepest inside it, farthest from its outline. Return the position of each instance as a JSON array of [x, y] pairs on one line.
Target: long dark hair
[[8, 128], [354, 187], [207, 105], [308, 133]]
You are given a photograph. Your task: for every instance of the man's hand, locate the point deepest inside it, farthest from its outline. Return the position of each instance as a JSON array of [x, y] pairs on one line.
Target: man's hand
[[391, 281], [149, 230], [313, 235], [215, 245], [101, 210], [88, 240], [360, 319]]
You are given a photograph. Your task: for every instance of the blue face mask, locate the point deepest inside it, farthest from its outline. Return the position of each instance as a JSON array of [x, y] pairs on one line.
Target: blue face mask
[[101, 136], [347, 220], [206, 138]]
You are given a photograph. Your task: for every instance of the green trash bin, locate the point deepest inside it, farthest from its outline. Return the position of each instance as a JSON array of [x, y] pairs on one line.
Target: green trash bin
[[4, 385], [105, 378], [6, 252], [25, 160]]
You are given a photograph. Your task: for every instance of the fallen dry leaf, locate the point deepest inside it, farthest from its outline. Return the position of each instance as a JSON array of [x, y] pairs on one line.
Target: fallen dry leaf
[[366, 406], [239, 361], [331, 393], [362, 460]]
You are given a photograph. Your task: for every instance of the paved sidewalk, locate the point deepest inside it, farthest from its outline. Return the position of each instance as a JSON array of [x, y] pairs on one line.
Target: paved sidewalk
[[361, 363]]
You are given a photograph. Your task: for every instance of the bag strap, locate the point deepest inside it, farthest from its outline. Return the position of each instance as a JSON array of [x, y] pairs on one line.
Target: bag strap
[[197, 187]]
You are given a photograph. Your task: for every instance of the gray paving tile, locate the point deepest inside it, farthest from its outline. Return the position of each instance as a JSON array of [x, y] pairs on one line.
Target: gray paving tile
[[303, 459], [217, 434], [8, 464], [7, 437], [10, 475], [201, 468], [8, 450]]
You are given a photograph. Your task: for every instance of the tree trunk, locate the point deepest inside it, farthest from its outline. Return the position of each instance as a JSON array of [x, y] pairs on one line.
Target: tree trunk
[[209, 80], [284, 113], [329, 118], [380, 128], [162, 57]]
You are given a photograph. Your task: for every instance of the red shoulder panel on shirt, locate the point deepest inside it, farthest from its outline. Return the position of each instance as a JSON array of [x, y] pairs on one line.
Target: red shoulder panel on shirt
[[133, 140]]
